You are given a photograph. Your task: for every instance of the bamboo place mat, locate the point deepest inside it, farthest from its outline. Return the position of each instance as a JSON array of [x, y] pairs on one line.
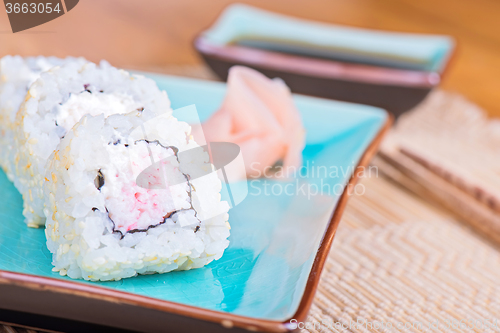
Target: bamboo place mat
[[404, 260], [405, 264], [448, 150]]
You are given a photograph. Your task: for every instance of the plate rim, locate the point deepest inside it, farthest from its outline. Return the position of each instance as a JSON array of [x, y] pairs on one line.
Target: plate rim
[[327, 241], [227, 320]]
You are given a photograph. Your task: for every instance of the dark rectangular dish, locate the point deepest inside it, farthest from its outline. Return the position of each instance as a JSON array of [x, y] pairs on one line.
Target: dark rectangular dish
[[394, 71]]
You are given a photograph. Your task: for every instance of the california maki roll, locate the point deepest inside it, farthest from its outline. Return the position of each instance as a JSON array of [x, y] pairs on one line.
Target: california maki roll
[[54, 103], [124, 196], [16, 76]]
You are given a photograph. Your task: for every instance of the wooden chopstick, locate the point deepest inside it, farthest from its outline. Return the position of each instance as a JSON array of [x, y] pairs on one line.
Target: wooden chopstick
[[430, 186]]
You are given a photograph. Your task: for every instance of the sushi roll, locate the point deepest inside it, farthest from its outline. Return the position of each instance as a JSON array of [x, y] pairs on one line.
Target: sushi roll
[[16, 75], [123, 198], [58, 100]]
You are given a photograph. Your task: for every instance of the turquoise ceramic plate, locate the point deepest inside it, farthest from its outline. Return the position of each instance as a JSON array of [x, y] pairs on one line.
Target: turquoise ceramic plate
[[264, 277]]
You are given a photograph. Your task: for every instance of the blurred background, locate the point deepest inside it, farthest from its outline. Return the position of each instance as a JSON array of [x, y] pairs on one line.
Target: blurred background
[[153, 34], [423, 242]]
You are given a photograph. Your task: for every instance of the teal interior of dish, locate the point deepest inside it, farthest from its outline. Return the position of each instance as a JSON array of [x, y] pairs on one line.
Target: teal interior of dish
[[250, 26], [274, 236]]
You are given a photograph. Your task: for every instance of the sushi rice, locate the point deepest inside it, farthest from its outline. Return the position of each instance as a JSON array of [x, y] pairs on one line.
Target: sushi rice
[[103, 224], [54, 103], [16, 75]]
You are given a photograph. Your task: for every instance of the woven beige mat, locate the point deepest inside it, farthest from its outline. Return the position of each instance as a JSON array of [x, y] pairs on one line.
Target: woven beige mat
[[400, 263], [398, 260]]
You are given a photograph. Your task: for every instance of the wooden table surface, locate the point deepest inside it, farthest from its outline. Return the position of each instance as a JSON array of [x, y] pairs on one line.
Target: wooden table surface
[[155, 33]]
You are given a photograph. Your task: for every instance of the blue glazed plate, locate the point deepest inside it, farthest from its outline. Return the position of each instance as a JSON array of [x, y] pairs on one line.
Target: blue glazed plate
[[281, 233]]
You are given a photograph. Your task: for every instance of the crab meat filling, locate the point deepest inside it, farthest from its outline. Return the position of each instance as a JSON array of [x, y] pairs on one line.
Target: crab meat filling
[[94, 103], [144, 186]]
